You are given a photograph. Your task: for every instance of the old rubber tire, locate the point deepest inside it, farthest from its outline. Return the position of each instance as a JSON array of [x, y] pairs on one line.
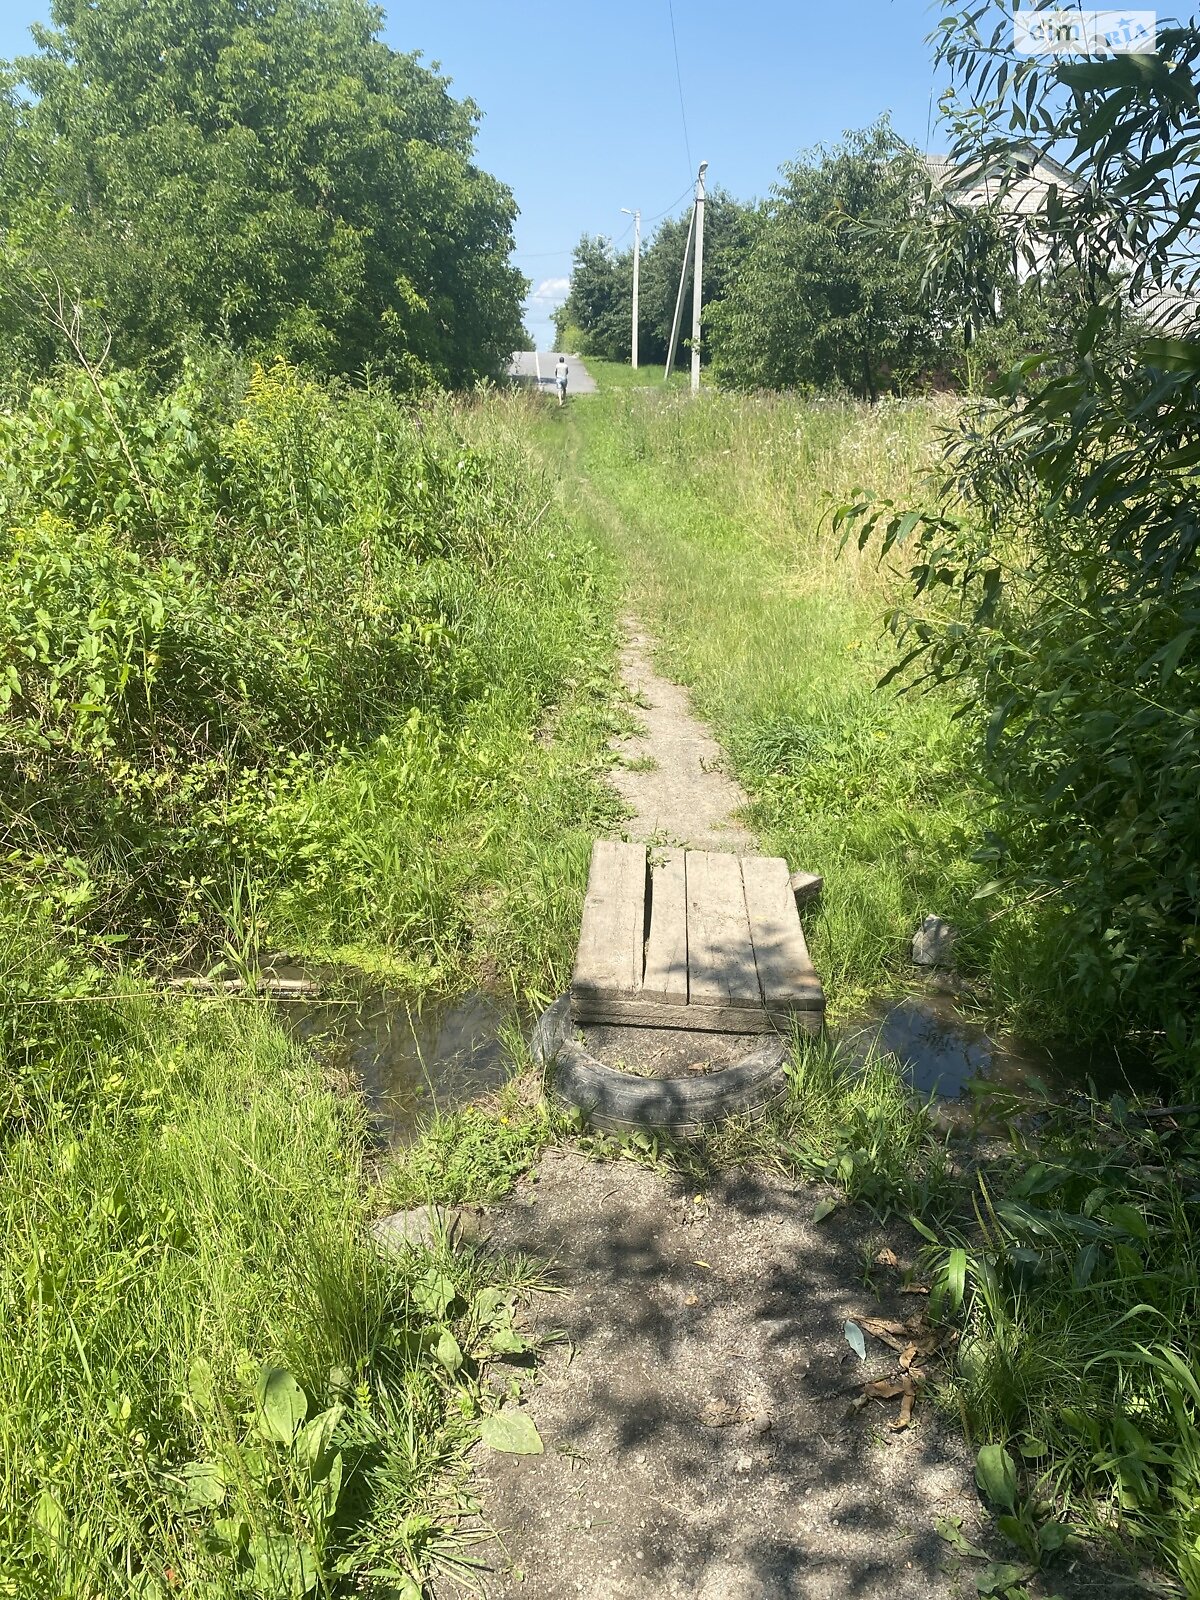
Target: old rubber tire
[[609, 1098]]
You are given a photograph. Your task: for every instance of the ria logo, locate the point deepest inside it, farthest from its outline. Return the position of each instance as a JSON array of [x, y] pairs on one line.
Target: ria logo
[[1084, 33]]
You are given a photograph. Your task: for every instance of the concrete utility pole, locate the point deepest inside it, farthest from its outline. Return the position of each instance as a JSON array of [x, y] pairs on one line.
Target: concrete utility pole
[[637, 261], [698, 280], [695, 231]]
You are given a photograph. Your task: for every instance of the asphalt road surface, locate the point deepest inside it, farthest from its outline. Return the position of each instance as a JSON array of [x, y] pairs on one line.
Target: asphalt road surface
[[537, 367]]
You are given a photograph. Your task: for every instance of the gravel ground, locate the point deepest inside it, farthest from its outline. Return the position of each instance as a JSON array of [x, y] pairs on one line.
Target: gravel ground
[[698, 1421]]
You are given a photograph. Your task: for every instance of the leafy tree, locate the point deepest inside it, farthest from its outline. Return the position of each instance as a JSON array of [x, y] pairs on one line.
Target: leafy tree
[[727, 229], [601, 296], [1056, 579], [825, 297], [274, 175], [598, 301]]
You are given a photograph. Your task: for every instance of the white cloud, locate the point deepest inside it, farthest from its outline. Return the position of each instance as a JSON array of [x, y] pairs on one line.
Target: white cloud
[[550, 292]]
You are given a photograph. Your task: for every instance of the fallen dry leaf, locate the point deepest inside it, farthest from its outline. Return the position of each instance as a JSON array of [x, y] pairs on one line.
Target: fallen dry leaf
[[906, 1411], [915, 1333], [887, 1258], [892, 1333], [903, 1389], [886, 1389], [691, 1299]]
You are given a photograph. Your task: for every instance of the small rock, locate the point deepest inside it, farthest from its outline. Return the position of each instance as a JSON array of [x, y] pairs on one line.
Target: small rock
[[806, 886], [420, 1228], [933, 943], [744, 1463]]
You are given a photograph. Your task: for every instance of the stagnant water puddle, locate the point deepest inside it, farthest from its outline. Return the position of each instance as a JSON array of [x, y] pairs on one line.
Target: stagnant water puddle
[[942, 1054], [410, 1058]]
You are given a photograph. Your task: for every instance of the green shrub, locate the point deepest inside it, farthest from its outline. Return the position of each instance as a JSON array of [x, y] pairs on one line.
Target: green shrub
[[212, 597]]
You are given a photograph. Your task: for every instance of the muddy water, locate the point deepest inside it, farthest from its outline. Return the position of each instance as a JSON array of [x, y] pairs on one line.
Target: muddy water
[[410, 1059], [942, 1054]]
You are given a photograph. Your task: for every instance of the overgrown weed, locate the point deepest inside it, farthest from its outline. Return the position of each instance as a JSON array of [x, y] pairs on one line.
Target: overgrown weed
[[211, 1378]]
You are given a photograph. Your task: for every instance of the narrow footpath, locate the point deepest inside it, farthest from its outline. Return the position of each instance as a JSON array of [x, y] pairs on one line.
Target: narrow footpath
[[701, 1440], [671, 775]]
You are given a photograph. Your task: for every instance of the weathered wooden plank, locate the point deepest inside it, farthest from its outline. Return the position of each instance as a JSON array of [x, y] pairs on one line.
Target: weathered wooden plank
[[785, 972], [635, 1012], [665, 979], [608, 961], [720, 954]]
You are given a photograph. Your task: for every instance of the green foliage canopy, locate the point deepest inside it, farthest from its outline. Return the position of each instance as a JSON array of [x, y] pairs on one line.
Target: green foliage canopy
[[276, 176], [825, 297], [1057, 577]]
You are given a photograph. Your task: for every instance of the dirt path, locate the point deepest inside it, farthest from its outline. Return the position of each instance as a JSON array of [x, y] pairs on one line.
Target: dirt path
[[700, 1438], [672, 775]]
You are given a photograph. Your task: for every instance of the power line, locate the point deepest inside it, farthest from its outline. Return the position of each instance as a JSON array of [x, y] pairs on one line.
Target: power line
[[682, 195], [679, 82], [546, 255]]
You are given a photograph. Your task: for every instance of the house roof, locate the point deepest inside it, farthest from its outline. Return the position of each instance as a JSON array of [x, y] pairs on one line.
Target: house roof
[[1039, 168]]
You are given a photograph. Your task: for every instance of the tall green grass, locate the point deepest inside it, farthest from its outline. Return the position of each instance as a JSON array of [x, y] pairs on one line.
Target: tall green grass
[[281, 665], [295, 655], [718, 513], [184, 1211]]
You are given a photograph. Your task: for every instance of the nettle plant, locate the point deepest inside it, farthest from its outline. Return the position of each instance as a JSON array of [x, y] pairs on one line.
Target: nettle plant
[[280, 1496]]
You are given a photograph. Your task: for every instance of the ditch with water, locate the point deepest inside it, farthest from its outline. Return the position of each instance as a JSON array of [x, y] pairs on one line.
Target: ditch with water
[[411, 1058]]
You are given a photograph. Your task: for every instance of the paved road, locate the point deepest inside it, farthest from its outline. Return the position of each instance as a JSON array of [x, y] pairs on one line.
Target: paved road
[[537, 367]]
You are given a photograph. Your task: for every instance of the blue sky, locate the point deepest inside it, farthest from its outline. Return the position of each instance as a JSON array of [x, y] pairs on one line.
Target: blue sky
[[581, 108]]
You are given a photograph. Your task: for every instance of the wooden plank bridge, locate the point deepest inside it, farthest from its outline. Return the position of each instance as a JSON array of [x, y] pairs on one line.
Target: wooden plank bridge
[[693, 939]]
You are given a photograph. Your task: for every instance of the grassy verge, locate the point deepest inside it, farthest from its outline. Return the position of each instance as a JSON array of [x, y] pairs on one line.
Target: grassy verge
[[717, 513], [285, 666], [211, 1382]]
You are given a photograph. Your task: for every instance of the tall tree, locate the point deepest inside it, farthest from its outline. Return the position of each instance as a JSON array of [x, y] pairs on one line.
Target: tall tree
[[597, 301], [824, 296], [727, 231], [274, 174]]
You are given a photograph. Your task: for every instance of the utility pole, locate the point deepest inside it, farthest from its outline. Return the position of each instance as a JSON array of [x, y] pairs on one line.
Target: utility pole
[[695, 231], [698, 280], [637, 261], [687, 250]]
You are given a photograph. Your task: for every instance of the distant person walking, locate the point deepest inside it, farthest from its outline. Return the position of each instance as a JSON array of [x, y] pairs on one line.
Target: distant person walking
[[561, 373]]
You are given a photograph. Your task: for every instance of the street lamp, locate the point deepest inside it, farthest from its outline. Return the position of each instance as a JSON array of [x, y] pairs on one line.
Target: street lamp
[[637, 261]]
